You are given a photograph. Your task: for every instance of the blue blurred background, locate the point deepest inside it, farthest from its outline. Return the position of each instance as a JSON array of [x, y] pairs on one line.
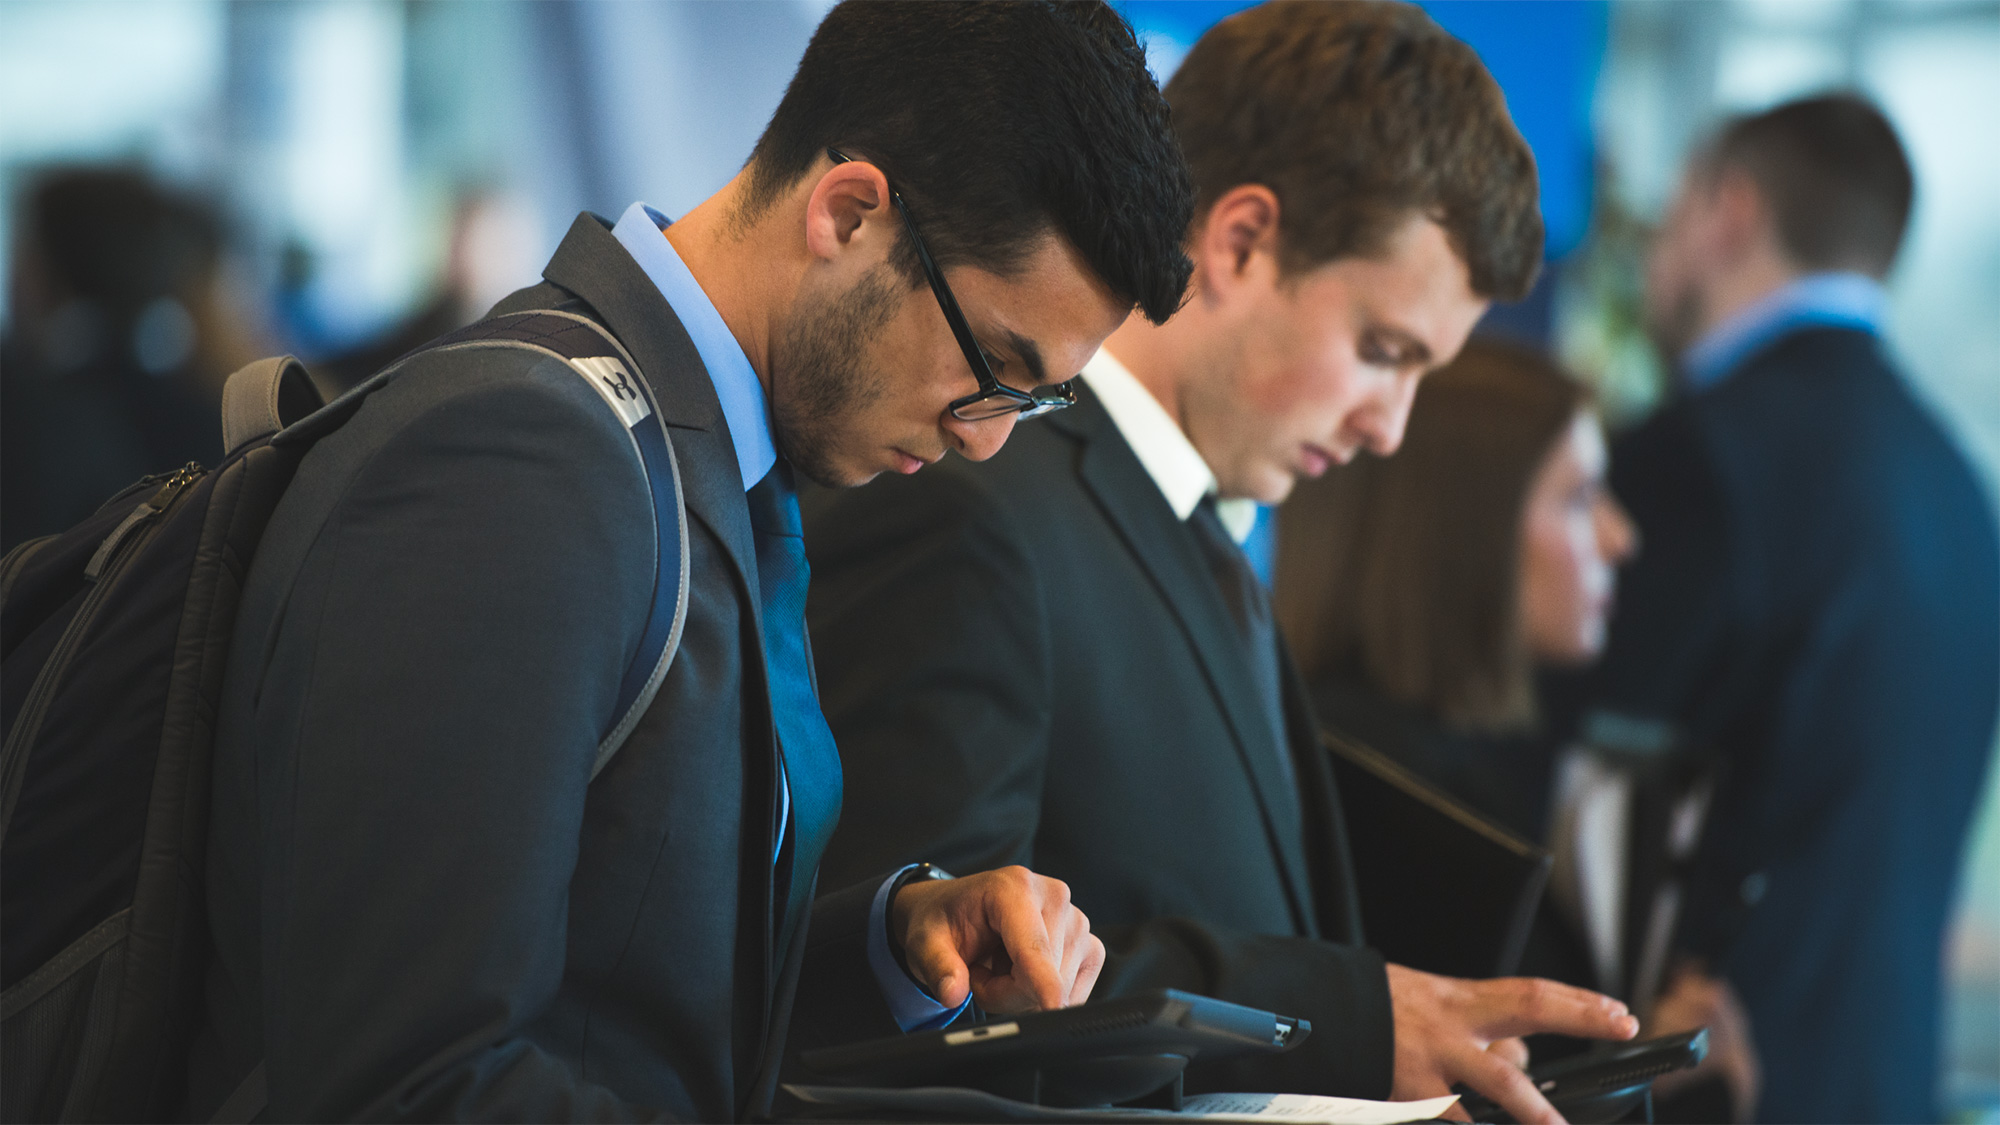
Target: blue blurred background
[[388, 167]]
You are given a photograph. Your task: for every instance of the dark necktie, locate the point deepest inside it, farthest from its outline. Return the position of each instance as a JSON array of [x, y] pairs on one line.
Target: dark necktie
[[811, 764], [1249, 607]]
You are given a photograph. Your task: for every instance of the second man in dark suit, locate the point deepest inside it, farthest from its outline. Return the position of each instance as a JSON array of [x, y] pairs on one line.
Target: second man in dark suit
[[1061, 657]]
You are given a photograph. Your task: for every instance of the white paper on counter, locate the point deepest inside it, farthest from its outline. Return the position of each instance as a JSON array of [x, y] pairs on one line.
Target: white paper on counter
[[1310, 1109]]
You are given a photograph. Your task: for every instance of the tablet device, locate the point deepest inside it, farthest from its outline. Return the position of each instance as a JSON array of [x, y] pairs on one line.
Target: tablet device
[[1098, 1053], [1606, 1083]]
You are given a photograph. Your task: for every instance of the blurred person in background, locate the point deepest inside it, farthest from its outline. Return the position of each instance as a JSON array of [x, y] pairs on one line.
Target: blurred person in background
[[489, 254], [1817, 607], [119, 335], [1062, 657], [1422, 592]]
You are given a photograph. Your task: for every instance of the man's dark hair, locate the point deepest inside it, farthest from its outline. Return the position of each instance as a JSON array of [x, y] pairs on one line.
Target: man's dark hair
[[1358, 114], [997, 123], [1834, 176]]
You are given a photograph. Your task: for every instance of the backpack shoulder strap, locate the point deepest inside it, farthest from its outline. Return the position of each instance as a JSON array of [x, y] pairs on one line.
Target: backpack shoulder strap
[[264, 397], [601, 361]]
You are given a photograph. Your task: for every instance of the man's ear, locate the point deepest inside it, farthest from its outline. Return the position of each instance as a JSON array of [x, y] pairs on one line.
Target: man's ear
[[1238, 239], [848, 208]]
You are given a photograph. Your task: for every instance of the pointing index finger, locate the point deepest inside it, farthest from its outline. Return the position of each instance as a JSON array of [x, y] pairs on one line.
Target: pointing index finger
[[1025, 934]]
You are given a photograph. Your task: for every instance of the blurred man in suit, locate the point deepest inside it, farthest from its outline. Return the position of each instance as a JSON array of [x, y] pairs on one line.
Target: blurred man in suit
[[423, 906], [1817, 605], [1061, 657]]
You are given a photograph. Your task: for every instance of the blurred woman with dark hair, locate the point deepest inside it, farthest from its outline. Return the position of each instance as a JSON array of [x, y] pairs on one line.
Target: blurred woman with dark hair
[[1420, 592]]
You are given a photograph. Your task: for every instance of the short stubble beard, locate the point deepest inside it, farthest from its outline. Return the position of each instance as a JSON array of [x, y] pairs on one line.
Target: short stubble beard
[[820, 386]]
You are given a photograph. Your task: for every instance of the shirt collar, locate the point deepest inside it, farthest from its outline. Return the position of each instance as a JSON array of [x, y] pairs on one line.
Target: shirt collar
[[1163, 449], [1832, 299], [641, 230]]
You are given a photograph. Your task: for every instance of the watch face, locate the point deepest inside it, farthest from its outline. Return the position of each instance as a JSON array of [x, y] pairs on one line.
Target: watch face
[[919, 871]]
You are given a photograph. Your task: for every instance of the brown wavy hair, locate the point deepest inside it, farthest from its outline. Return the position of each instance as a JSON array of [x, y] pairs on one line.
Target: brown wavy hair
[[1358, 114], [1402, 574]]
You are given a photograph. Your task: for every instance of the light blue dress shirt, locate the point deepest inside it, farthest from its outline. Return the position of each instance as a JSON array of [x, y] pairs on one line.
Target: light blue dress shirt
[[1817, 300], [642, 232], [747, 413]]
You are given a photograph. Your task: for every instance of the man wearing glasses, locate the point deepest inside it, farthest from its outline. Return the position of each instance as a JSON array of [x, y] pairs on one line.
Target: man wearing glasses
[[423, 905], [993, 399], [1061, 658]]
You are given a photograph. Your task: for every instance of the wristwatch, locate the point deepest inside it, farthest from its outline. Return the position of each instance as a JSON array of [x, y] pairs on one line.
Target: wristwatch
[[912, 874]]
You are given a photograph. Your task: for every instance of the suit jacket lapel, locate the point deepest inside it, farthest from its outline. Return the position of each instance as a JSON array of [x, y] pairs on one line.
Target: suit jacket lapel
[[591, 264], [1164, 548]]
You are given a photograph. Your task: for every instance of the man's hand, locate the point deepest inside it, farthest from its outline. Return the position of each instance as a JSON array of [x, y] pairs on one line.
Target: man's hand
[[1694, 999], [1450, 1031], [1011, 936]]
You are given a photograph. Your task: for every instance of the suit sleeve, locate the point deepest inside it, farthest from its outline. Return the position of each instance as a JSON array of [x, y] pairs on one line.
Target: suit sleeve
[[838, 999], [927, 629], [928, 619], [460, 627], [1342, 989]]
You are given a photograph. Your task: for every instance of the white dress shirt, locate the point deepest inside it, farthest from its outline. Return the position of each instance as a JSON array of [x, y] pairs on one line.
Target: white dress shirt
[[1162, 446]]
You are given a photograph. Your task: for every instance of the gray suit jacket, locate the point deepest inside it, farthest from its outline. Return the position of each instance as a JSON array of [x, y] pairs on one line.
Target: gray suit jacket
[[1027, 661], [422, 907]]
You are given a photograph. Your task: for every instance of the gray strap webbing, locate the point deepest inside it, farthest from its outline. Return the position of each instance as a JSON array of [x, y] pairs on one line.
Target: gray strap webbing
[[262, 397]]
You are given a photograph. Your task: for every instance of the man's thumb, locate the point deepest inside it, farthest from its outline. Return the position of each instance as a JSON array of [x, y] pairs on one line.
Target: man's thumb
[[935, 962]]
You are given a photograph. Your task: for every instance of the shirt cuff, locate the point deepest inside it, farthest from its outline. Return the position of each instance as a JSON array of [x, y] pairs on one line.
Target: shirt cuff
[[913, 1008]]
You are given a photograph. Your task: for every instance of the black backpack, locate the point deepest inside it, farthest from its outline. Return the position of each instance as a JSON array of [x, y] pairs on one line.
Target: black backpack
[[114, 637]]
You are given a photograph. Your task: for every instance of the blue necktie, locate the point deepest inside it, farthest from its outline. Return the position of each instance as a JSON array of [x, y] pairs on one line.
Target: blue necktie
[[811, 764]]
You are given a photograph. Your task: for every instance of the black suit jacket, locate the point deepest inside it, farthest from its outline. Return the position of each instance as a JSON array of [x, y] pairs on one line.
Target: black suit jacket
[[1818, 602], [1027, 661], [422, 907]]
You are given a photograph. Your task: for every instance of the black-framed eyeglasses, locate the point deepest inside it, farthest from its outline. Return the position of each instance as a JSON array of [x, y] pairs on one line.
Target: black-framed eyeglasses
[[994, 398]]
